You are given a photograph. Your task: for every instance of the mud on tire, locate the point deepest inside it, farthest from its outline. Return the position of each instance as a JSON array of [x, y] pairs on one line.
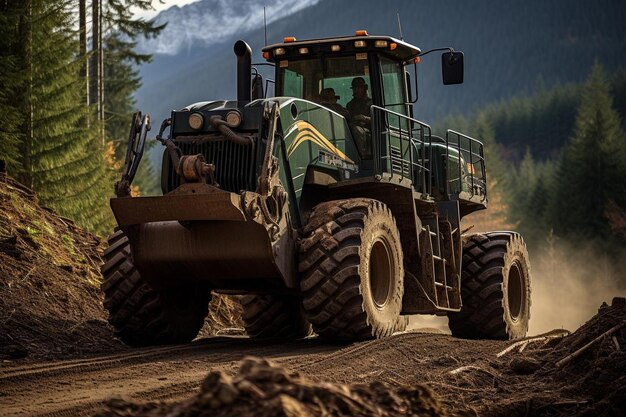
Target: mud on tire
[[274, 316], [495, 288], [141, 315], [351, 267]]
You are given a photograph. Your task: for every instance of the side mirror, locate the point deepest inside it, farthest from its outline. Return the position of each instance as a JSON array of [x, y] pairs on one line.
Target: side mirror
[[452, 68]]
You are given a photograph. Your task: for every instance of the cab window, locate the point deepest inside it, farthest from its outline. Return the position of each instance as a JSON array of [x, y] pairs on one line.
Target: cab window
[[306, 78], [293, 83], [393, 91]]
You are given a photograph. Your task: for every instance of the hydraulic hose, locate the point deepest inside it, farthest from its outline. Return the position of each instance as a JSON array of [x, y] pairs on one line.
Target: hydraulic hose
[[222, 126]]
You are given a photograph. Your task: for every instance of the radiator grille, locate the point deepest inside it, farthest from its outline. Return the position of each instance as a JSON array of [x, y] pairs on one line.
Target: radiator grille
[[234, 164], [399, 165]]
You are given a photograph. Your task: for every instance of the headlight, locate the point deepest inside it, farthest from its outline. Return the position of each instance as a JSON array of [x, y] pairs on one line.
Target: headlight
[[233, 118], [196, 121]]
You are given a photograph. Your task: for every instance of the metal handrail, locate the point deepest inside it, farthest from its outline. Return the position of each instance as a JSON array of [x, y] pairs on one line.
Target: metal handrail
[[406, 137], [420, 170], [475, 158]]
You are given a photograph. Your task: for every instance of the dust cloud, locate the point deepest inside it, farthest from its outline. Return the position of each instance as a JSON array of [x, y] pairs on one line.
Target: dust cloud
[[570, 283]]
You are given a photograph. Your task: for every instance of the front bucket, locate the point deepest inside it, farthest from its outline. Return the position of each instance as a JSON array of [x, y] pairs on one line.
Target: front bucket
[[212, 238]]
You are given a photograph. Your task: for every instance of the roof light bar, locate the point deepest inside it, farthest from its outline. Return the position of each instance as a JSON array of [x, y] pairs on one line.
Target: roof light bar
[[289, 39], [361, 32]]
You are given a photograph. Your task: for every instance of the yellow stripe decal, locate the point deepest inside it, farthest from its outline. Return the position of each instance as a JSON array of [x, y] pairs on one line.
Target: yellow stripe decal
[[309, 133]]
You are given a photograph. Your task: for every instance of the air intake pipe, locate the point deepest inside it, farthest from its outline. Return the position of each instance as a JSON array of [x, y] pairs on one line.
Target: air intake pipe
[[244, 72]]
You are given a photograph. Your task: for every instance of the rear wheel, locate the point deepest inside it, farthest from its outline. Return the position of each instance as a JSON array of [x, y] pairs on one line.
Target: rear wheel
[[495, 288], [274, 316], [141, 315], [352, 270]]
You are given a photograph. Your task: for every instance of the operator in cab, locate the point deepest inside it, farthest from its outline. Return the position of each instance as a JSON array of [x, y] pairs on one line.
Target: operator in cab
[[361, 102], [359, 110], [329, 99]]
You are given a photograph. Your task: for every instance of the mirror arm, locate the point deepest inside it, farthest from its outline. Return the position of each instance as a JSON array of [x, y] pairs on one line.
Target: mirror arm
[[421, 54], [449, 49]]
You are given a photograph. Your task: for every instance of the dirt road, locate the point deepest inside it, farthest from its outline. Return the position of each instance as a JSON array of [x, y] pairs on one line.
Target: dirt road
[[78, 387], [470, 377], [51, 308]]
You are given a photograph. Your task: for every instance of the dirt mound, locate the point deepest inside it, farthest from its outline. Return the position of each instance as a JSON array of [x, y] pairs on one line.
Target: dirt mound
[[50, 298], [583, 374], [591, 363], [50, 301], [263, 389]]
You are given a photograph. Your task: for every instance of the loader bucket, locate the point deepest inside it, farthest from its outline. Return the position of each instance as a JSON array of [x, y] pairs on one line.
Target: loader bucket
[[220, 238]]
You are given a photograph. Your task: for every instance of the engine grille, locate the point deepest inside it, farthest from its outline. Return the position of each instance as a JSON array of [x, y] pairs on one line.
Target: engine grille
[[234, 164]]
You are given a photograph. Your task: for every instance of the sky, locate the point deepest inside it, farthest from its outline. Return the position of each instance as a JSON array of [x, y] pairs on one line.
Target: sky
[[158, 7]]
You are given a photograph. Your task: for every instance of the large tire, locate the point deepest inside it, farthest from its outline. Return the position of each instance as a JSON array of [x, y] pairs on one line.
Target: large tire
[[141, 315], [495, 288], [352, 271], [273, 316]]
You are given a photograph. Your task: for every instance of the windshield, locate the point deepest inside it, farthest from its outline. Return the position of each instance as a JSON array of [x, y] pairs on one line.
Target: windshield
[[312, 79]]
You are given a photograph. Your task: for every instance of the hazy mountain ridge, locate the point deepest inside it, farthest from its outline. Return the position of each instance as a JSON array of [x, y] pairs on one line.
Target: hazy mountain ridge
[[208, 22], [510, 48]]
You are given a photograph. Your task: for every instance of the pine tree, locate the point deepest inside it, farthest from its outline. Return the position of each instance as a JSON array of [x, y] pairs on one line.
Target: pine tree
[[523, 183], [538, 202], [122, 79], [63, 158], [121, 82], [530, 197], [11, 79], [498, 175], [593, 166]]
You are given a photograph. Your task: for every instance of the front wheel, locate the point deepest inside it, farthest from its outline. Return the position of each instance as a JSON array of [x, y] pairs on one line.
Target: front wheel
[[142, 315], [495, 288], [352, 270]]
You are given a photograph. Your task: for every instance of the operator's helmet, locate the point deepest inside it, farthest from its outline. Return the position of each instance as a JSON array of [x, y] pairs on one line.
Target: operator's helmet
[[328, 95], [358, 82]]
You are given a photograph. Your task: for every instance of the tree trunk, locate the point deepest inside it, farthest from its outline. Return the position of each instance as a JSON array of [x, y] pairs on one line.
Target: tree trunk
[[82, 19], [94, 64], [25, 36], [101, 73]]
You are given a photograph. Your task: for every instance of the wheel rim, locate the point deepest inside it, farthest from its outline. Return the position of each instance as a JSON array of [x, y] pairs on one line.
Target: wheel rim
[[380, 273], [515, 292]]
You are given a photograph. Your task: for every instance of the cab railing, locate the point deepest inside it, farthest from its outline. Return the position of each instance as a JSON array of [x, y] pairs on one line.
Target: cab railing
[[468, 179], [402, 147]]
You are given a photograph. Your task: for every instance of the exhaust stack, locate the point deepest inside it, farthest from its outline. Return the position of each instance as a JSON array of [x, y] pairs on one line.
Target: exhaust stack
[[244, 72]]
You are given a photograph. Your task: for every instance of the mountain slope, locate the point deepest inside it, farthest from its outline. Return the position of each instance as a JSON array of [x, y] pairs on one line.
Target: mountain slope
[[208, 22], [509, 48]]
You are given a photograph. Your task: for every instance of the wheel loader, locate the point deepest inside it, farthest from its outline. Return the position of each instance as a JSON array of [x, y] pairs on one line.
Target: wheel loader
[[326, 206]]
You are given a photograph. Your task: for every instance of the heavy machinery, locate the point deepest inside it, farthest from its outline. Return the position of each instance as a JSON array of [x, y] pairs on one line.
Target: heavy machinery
[[341, 215]]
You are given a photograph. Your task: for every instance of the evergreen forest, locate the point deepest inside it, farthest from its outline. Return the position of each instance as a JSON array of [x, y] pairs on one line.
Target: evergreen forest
[[556, 165], [64, 107]]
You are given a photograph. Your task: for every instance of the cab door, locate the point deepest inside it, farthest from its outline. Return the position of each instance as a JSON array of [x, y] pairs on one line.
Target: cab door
[[396, 149]]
